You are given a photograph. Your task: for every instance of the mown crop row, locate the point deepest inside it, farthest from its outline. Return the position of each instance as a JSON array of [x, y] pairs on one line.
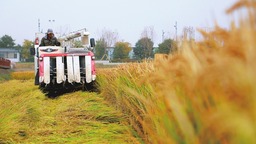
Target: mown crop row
[[204, 93]]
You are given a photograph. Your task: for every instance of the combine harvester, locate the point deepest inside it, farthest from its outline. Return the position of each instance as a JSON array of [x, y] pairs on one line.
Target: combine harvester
[[63, 67]]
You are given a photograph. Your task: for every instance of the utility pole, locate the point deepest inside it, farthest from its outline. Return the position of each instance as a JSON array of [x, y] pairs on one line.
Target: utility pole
[[38, 25], [176, 29], [163, 36]]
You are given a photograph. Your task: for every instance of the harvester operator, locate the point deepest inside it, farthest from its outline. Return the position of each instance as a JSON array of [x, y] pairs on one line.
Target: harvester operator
[[49, 39]]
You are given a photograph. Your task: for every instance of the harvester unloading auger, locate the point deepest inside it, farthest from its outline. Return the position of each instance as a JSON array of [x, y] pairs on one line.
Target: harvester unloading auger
[[65, 66]]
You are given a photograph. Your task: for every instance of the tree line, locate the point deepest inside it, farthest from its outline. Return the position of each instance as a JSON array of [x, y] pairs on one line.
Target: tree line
[[144, 47]]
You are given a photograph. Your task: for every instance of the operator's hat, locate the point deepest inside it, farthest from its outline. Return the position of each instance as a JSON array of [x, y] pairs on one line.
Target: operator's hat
[[49, 31]]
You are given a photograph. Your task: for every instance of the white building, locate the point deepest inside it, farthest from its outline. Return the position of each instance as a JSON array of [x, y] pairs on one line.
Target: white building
[[10, 53]]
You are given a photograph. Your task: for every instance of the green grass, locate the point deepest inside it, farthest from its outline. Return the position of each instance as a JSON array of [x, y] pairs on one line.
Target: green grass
[[28, 116], [4, 77], [4, 74]]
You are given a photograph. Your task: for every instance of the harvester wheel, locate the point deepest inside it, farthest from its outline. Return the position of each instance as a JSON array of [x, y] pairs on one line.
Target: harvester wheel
[[91, 87]]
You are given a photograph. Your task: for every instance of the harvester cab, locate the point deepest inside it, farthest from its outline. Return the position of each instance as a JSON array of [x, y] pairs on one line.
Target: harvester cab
[[69, 65]]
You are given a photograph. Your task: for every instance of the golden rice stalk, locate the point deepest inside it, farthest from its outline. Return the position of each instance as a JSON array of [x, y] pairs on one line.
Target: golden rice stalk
[[242, 3], [26, 75]]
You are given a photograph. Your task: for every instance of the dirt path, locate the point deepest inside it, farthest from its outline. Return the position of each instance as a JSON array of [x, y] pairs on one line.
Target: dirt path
[[28, 116]]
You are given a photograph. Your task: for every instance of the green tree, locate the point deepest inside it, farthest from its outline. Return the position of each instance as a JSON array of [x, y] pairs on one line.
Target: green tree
[[167, 46], [100, 47], [18, 47], [121, 50], [143, 48], [25, 51], [6, 41]]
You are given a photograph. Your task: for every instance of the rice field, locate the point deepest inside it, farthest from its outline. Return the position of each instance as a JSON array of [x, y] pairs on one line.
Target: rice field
[[203, 93], [28, 116]]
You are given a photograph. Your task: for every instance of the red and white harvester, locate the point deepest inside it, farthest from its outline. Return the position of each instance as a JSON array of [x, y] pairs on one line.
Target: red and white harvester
[[69, 65]]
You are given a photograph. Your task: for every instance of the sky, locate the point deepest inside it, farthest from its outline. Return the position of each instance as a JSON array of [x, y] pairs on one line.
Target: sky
[[19, 18]]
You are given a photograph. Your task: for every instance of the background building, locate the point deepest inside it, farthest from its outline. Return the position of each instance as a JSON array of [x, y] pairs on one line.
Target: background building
[[10, 53]]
